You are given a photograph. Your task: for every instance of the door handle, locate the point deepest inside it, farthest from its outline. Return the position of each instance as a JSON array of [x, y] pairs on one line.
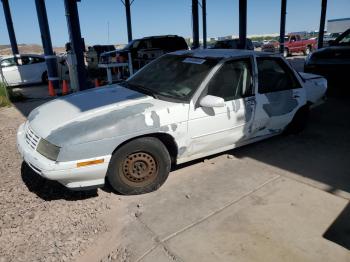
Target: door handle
[[296, 96]]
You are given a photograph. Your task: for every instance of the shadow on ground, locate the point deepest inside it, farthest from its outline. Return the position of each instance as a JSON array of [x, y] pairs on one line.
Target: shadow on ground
[[321, 152], [51, 190], [339, 231]]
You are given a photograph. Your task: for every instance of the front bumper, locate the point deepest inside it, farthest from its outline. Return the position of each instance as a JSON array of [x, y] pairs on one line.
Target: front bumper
[[66, 173]]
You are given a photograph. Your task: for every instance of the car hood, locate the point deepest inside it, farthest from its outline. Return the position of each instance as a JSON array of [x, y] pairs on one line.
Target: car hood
[[102, 113]]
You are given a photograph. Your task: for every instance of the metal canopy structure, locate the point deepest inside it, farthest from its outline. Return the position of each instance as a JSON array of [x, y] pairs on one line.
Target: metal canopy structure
[[243, 24], [77, 42], [322, 23], [127, 5], [9, 24], [195, 24], [283, 24], [50, 57]]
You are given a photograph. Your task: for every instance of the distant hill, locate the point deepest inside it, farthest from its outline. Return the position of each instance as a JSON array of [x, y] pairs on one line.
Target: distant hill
[[27, 49]]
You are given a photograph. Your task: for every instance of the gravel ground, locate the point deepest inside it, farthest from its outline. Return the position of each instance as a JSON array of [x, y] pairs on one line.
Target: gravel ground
[[40, 220]]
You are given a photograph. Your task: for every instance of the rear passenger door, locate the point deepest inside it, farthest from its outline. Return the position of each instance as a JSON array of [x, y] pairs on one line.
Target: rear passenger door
[[279, 96]]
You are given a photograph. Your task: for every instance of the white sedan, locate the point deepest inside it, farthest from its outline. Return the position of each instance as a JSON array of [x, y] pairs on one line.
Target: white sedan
[[24, 69], [183, 106]]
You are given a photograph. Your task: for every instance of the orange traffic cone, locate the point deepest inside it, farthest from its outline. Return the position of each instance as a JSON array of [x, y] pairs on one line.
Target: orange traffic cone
[[65, 88], [97, 83], [52, 91]]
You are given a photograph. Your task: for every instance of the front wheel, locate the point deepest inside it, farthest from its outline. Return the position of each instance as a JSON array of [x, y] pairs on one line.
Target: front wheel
[[299, 121], [286, 52], [308, 50], [140, 166]]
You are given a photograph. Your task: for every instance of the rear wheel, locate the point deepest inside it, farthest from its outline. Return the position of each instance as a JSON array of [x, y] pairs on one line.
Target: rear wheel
[[299, 121], [140, 166]]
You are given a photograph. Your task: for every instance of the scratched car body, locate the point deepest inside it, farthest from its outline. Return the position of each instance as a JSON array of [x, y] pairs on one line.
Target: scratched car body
[[183, 106]]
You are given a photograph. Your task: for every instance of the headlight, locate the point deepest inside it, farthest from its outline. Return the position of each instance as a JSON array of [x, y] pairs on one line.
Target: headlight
[[48, 150]]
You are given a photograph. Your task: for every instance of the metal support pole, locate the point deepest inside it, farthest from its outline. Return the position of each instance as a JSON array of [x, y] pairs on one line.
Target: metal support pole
[[204, 17], [195, 24], [50, 57], [128, 19], [243, 23], [322, 23], [76, 41], [10, 29], [283, 24]]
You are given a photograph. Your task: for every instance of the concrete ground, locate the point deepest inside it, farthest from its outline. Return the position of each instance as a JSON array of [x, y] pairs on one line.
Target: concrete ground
[[282, 199]]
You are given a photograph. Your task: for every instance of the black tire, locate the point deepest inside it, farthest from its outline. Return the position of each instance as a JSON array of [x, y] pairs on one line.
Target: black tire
[[44, 78], [139, 167], [299, 121]]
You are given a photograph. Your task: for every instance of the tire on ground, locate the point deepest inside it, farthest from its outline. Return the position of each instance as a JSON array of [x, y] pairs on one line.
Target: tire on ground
[[299, 121], [140, 166]]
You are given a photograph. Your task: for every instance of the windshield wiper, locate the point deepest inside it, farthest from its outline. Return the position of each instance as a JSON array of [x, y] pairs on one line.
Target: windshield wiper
[[139, 88]]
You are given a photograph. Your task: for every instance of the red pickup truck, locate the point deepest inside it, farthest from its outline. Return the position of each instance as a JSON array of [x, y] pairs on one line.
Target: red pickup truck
[[293, 43]]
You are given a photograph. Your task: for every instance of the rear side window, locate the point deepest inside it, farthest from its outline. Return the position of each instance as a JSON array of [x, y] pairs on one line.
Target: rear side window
[[35, 59], [232, 81], [274, 75]]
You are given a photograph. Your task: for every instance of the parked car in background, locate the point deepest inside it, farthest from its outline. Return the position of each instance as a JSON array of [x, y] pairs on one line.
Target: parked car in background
[[231, 44], [184, 106], [93, 54], [333, 62], [146, 49], [271, 46], [295, 44], [257, 44], [329, 37], [24, 69]]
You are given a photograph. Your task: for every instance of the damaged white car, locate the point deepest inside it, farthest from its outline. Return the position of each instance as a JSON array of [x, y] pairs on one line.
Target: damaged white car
[[182, 106]]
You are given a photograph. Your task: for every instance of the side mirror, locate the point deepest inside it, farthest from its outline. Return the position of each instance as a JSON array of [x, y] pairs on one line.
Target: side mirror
[[212, 101]]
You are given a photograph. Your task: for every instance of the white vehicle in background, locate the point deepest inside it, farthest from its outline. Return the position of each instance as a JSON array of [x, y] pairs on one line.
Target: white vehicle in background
[[23, 69], [183, 106]]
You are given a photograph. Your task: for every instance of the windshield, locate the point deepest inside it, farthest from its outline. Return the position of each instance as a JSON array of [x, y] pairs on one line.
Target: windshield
[[132, 45], [345, 38], [173, 76]]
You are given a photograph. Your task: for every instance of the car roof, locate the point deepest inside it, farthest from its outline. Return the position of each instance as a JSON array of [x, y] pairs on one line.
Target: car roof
[[222, 53]]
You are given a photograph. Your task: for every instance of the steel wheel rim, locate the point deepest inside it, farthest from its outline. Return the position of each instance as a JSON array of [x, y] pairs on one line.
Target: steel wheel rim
[[139, 169]]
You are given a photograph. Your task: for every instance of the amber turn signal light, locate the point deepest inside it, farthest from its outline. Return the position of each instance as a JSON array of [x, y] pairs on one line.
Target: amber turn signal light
[[89, 163]]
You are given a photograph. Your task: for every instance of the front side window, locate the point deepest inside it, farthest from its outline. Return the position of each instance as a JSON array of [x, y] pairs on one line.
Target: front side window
[[8, 62], [274, 75], [173, 76], [232, 81]]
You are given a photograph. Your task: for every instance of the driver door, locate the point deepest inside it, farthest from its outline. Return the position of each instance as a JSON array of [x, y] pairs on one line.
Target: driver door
[[215, 129]]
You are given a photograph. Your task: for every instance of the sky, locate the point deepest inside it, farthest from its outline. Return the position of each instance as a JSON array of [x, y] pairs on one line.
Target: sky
[[157, 17]]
